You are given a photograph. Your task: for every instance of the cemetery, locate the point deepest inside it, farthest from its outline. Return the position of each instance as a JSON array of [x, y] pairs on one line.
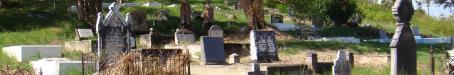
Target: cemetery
[[225, 37]]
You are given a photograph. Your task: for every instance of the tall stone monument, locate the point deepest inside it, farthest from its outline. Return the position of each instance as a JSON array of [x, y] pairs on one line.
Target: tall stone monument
[[403, 45], [185, 15], [113, 36]]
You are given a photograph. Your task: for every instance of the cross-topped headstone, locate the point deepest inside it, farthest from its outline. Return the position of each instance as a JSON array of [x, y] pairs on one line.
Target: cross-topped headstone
[[403, 45], [216, 31], [263, 46], [112, 36], [342, 65]]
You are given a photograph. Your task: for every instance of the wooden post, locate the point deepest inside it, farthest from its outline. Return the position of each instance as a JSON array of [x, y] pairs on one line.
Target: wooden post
[[432, 64], [83, 62]]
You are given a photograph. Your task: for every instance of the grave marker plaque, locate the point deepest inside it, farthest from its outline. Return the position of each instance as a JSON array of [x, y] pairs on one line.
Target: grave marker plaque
[[184, 36], [341, 65], [213, 50], [112, 36], [83, 34], [216, 31], [263, 46]]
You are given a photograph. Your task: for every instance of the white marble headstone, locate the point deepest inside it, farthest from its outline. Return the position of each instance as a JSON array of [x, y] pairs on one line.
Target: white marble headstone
[[341, 65]]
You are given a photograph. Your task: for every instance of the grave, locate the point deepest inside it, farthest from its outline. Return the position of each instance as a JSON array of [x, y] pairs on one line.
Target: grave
[[24, 53], [234, 58], [138, 22], [403, 44], [276, 18], [184, 36], [415, 31], [60, 66], [263, 46], [288, 69], [82, 45], [316, 66], [113, 36], [342, 65], [82, 34], [216, 31], [213, 50]]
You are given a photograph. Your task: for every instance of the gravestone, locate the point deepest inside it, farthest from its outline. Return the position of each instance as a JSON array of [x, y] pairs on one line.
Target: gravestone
[[82, 34], [216, 31], [113, 36], [234, 58], [276, 18], [382, 34], [341, 65], [184, 36], [162, 15], [403, 44], [452, 42], [263, 46], [415, 31], [138, 22], [213, 50]]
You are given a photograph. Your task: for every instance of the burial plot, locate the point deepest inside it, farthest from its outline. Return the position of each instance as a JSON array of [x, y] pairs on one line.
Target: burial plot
[[60, 66], [288, 69], [138, 22], [24, 53], [403, 44], [342, 65], [213, 50], [263, 46], [112, 36], [82, 34], [184, 36], [216, 31]]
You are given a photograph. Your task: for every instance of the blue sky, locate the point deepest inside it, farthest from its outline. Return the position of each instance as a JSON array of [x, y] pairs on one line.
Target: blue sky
[[434, 10]]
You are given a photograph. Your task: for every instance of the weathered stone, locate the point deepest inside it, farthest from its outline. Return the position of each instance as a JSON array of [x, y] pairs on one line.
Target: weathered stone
[[234, 59], [184, 36], [403, 45], [24, 53], [114, 37], [216, 31], [341, 65], [83, 46], [83, 34], [213, 50], [382, 34], [415, 31], [263, 46]]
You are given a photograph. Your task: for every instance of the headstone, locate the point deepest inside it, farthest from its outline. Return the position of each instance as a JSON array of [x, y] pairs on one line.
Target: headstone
[[216, 31], [113, 36], [213, 50], [341, 65], [60, 66], [276, 18], [162, 15], [82, 34], [403, 44], [234, 58], [263, 46], [382, 34], [415, 31], [24, 53], [452, 42], [138, 22], [183, 36]]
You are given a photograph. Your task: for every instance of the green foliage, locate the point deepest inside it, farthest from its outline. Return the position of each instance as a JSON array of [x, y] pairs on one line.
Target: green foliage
[[282, 7], [340, 11], [309, 8]]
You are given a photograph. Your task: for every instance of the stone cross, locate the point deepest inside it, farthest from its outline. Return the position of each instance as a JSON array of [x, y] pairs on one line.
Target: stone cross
[[113, 36], [342, 65], [216, 31], [403, 45]]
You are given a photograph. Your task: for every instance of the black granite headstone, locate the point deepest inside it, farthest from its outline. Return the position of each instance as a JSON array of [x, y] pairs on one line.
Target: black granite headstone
[[213, 50], [263, 46]]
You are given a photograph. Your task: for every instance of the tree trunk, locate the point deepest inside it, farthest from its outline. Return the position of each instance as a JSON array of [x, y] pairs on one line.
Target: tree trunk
[[208, 16], [254, 12], [87, 11]]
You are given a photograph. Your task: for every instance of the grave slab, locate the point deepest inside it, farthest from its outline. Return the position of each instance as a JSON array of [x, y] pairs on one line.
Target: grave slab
[[60, 66], [83, 34], [25, 53], [213, 50]]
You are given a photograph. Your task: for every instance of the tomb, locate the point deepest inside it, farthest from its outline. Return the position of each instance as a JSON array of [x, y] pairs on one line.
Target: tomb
[[24, 53], [61, 66]]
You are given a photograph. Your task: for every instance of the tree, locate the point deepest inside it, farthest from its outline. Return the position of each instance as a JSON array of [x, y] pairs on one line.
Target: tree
[[254, 13], [208, 16], [340, 11], [447, 4], [87, 11]]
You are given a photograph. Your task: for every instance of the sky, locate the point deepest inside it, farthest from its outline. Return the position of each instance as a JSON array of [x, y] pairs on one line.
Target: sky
[[434, 10]]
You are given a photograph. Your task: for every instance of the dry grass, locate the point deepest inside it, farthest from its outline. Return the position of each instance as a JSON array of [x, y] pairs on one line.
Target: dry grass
[[137, 63]]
